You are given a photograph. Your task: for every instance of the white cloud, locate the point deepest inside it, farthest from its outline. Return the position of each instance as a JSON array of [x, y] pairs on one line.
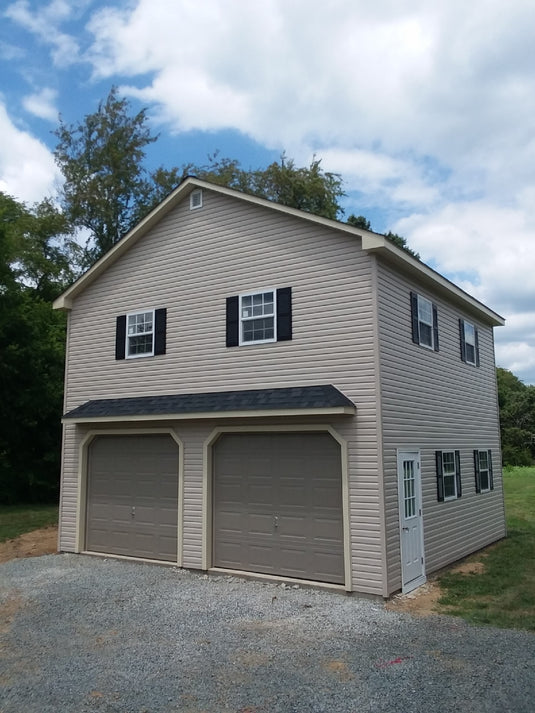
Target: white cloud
[[448, 81], [42, 104], [383, 177], [27, 169], [44, 22]]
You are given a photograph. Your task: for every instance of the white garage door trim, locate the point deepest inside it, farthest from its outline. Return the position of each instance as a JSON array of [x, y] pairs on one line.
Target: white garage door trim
[[207, 503], [83, 460]]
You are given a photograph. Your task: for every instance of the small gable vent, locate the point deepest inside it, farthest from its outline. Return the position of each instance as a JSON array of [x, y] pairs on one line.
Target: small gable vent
[[195, 199]]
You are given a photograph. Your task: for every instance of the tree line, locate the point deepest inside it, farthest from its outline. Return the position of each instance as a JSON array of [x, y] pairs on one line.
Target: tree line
[[106, 190]]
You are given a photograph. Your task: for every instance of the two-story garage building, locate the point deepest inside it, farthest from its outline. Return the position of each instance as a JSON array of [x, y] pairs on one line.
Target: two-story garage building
[[255, 389]]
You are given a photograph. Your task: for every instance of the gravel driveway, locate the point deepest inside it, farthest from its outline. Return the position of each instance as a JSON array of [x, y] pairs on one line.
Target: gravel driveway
[[88, 634]]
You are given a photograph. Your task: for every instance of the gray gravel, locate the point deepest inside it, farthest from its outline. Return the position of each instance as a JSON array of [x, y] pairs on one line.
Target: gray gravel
[[88, 634]]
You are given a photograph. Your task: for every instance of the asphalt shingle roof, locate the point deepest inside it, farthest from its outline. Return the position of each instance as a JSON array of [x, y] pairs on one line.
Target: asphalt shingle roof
[[294, 397]]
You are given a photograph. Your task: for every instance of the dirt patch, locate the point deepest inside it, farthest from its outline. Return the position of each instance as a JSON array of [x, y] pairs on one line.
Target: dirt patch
[[424, 600], [421, 602], [32, 544]]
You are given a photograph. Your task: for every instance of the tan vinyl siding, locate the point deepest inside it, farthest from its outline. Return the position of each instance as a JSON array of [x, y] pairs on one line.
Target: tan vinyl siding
[[190, 263], [434, 401], [69, 489]]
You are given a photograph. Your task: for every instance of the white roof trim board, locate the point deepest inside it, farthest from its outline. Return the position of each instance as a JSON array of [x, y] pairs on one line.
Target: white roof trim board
[[371, 243]]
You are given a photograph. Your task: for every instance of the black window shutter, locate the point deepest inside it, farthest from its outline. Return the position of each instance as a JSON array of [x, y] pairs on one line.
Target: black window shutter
[[458, 473], [414, 318], [160, 330], [440, 476], [284, 314], [491, 475], [463, 339], [120, 337], [476, 471], [435, 328], [232, 322], [477, 346]]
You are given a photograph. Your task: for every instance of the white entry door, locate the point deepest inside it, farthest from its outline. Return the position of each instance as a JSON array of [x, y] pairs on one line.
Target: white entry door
[[410, 520]]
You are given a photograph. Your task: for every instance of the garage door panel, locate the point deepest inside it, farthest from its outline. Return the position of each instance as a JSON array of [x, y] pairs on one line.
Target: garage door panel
[[260, 557], [293, 526], [259, 524], [132, 496], [258, 488], [287, 499], [293, 495]]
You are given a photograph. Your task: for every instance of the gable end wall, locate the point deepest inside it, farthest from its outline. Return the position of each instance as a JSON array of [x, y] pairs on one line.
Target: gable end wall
[[190, 263]]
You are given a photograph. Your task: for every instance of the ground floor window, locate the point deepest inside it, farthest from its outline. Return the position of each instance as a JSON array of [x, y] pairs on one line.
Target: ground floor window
[[448, 465], [483, 471]]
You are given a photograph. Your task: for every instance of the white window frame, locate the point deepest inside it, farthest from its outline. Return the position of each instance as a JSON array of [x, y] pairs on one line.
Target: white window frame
[[453, 475], [470, 343], [487, 469], [128, 355], [242, 320], [421, 299], [193, 196]]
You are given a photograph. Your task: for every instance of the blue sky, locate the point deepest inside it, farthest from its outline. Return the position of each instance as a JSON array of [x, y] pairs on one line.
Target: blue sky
[[426, 109]]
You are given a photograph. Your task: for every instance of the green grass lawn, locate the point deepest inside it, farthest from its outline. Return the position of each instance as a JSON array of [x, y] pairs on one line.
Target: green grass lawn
[[15, 520], [504, 594]]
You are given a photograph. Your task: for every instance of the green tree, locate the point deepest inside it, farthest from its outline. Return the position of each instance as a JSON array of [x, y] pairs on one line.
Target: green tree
[[401, 242], [359, 221], [517, 418], [34, 268], [105, 184], [308, 188]]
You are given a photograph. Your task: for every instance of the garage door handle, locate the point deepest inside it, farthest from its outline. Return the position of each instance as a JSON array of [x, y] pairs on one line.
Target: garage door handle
[[275, 522], [133, 512]]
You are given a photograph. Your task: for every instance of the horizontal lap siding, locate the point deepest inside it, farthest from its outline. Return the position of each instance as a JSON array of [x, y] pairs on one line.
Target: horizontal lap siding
[[190, 263], [69, 489], [434, 401]]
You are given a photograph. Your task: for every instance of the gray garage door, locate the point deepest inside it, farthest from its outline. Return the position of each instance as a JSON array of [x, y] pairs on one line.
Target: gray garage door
[[278, 505], [132, 496]]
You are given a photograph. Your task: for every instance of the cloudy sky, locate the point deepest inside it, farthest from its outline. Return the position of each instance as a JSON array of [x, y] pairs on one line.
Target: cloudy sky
[[427, 109]]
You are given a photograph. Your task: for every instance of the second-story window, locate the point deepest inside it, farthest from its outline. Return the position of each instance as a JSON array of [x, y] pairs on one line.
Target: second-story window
[[140, 334], [257, 317], [469, 342], [424, 322]]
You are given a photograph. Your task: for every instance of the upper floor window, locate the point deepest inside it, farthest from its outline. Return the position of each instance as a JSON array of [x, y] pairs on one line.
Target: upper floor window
[[469, 338], [141, 334], [424, 317], [448, 464], [259, 317], [483, 471]]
